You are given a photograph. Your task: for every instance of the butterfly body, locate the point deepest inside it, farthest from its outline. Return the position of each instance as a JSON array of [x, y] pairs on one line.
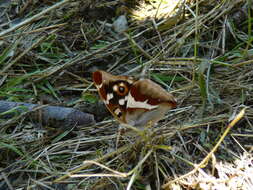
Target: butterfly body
[[133, 102]]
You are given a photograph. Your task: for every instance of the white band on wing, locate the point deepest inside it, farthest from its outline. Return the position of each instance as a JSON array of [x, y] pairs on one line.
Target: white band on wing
[[131, 103]]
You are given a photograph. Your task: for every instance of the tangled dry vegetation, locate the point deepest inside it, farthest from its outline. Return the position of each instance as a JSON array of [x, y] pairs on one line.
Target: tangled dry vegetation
[[200, 50]]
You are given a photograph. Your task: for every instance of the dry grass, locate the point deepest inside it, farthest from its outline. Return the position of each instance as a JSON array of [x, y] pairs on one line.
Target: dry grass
[[201, 51]]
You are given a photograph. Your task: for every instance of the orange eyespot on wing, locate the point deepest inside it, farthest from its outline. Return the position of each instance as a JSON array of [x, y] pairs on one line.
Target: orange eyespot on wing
[[121, 89]]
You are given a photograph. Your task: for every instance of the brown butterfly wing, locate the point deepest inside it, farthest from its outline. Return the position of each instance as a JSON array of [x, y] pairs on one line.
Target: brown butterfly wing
[[110, 90]]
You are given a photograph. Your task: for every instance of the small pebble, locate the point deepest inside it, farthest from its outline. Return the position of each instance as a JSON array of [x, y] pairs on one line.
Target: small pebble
[[120, 24]]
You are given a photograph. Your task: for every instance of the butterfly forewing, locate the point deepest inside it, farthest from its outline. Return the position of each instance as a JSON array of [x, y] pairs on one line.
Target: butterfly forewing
[[133, 102]]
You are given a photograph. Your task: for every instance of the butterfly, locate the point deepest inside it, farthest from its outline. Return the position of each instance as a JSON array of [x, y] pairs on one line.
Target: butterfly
[[133, 102]]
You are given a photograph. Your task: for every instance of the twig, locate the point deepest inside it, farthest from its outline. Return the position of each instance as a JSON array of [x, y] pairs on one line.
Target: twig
[[51, 115]]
